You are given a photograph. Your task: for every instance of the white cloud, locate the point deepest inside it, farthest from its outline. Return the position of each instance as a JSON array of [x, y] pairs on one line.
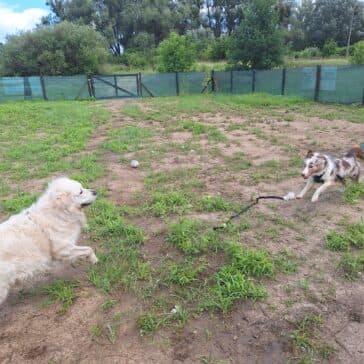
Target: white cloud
[[13, 21]]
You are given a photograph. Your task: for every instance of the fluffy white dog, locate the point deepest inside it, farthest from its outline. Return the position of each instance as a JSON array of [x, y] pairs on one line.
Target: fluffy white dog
[[46, 231]]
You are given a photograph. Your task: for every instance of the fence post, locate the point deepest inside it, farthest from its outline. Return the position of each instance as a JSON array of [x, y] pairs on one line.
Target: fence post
[[89, 85], [213, 86], [231, 81], [27, 88], [283, 88], [42, 83], [116, 86], [140, 84], [362, 100], [253, 82], [177, 84], [318, 82]]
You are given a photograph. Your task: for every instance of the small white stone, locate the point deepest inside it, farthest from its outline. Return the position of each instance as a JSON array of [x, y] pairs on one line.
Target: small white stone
[[134, 163]]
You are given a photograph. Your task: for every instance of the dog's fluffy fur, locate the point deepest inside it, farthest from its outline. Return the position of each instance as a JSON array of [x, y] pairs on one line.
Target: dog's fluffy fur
[[47, 231], [324, 168]]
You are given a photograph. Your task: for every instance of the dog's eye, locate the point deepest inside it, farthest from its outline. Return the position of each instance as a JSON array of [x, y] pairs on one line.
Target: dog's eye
[[311, 165], [81, 192]]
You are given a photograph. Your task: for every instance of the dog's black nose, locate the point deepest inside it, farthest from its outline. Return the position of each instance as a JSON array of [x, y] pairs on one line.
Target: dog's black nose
[[94, 192], [302, 174]]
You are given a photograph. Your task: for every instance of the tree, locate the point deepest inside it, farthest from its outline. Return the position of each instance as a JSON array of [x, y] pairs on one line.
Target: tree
[[176, 54], [358, 53], [338, 20], [257, 42], [62, 49]]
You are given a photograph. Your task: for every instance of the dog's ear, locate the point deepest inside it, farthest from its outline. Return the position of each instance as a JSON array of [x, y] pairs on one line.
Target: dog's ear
[[309, 154]]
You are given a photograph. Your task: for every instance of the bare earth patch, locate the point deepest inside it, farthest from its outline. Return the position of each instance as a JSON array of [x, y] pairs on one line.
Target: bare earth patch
[[253, 332]]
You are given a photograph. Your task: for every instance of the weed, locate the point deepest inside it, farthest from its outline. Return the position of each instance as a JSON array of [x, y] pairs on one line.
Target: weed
[[213, 203], [336, 241], [351, 265], [184, 273], [352, 236], [63, 292], [198, 129], [252, 262], [231, 285], [168, 203], [186, 235], [285, 262], [108, 304]]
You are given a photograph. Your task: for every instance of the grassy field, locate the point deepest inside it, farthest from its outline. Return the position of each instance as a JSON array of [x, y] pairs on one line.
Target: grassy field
[[207, 66], [282, 283]]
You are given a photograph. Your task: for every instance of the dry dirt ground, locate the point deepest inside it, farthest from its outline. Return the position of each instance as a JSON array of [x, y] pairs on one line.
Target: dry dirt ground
[[252, 332]]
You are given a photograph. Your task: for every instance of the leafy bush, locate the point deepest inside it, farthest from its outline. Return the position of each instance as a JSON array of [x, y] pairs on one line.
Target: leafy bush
[[217, 49], [330, 48], [176, 54], [257, 43], [358, 53], [63, 49], [309, 52]]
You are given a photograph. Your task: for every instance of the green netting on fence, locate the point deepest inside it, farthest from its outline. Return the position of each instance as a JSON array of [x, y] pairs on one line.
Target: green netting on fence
[[342, 84], [20, 88], [269, 82], [300, 82], [192, 82], [65, 87], [162, 84]]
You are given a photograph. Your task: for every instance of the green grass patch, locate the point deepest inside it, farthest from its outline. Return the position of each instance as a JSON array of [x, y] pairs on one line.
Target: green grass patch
[[230, 285], [62, 292], [129, 138], [120, 262], [250, 261], [189, 236], [352, 236], [197, 128], [167, 203], [209, 203], [305, 341], [351, 265], [354, 192], [17, 202], [39, 138], [285, 262]]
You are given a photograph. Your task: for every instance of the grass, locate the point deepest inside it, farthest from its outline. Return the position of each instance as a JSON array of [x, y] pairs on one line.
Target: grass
[[305, 341], [129, 138], [39, 138], [17, 202], [167, 203], [209, 203], [62, 292], [352, 236], [354, 192]]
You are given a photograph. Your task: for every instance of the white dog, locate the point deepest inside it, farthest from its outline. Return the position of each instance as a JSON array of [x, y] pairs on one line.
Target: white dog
[[47, 231]]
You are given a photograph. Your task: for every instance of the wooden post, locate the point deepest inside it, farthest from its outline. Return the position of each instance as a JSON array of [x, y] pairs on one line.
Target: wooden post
[[42, 83], [362, 99], [177, 84], [89, 86], [27, 88], [318, 82], [253, 82], [283, 88]]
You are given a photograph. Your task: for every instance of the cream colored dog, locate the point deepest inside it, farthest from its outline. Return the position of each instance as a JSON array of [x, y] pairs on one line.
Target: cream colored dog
[[46, 231]]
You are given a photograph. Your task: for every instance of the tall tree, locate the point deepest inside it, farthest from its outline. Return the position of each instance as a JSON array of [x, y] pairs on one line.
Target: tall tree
[[322, 20]]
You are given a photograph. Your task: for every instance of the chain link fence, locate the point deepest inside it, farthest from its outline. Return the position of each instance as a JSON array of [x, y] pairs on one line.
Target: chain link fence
[[341, 84]]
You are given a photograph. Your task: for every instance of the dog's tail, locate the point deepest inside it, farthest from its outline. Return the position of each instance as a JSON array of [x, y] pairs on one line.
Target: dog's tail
[[356, 151]]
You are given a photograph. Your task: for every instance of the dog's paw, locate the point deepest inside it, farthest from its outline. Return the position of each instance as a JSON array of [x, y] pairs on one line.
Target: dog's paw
[[298, 197], [93, 258], [314, 199]]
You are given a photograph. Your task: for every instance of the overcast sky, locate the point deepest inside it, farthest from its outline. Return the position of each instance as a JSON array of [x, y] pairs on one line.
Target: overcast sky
[[16, 15]]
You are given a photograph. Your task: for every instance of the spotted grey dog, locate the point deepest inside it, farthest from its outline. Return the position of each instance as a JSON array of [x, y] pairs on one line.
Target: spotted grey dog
[[327, 170]]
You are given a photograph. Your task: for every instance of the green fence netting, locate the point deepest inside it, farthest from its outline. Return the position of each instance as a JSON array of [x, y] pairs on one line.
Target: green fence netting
[[341, 84]]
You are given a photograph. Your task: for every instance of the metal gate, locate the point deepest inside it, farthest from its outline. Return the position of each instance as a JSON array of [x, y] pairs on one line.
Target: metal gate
[[115, 86]]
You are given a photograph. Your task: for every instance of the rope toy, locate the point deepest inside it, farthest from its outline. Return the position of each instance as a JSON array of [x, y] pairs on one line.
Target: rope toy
[[287, 197]]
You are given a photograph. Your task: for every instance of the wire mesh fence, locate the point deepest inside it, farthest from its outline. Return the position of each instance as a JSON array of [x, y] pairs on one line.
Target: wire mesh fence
[[339, 84]]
